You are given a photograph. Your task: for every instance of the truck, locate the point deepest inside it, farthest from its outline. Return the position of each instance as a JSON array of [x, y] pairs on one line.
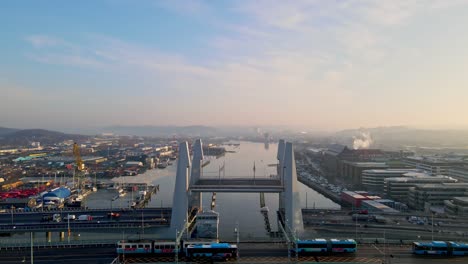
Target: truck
[[85, 218], [70, 217], [380, 219], [360, 217]]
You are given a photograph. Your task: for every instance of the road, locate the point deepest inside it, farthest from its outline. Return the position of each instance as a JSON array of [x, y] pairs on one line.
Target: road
[[249, 253], [31, 221]]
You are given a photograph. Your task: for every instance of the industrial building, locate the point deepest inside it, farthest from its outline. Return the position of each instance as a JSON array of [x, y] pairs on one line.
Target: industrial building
[[432, 165], [353, 199], [56, 196], [422, 196], [373, 180], [398, 188], [376, 207], [336, 155], [459, 172], [457, 206], [352, 171]]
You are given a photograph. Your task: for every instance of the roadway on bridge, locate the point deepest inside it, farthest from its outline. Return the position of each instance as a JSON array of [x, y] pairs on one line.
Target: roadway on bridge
[[33, 220], [238, 185]]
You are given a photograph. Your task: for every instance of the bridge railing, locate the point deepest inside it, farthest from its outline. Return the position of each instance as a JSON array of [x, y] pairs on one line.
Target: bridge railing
[[25, 243], [64, 226], [77, 209]]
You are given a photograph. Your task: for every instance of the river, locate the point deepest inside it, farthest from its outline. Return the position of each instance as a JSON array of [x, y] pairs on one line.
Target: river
[[241, 208]]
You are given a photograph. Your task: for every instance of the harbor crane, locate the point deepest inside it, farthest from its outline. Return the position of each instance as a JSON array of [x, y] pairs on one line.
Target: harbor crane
[[79, 164]]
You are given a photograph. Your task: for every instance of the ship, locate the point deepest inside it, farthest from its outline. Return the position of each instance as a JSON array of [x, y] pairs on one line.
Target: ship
[[207, 224]]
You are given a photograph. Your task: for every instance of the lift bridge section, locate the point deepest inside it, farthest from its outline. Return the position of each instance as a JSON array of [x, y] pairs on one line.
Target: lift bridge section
[[190, 184]]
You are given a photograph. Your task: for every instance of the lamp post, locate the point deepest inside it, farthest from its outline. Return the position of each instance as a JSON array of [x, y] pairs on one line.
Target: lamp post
[[432, 221], [12, 208], [68, 225], [32, 253], [236, 230], [177, 247]]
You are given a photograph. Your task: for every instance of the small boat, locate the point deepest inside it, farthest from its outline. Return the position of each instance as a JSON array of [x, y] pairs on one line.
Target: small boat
[[264, 209]]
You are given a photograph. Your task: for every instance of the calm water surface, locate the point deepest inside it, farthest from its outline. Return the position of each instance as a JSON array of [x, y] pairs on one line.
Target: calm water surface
[[243, 208]]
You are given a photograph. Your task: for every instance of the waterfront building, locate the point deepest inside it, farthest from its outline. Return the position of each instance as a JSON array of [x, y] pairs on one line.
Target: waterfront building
[[433, 165], [373, 180], [425, 195], [457, 206], [398, 188], [352, 171], [336, 154]]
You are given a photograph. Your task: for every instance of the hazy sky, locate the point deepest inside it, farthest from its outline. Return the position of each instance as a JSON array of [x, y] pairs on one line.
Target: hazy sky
[[318, 64]]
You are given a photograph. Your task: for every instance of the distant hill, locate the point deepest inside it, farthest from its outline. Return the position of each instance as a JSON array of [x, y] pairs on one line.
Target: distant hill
[[5, 130], [157, 131], [25, 136]]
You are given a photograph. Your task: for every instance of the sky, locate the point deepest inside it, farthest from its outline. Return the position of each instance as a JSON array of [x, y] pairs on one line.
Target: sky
[[320, 65]]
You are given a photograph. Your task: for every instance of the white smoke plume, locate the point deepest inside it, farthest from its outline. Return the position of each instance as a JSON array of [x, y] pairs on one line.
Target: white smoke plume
[[362, 141]]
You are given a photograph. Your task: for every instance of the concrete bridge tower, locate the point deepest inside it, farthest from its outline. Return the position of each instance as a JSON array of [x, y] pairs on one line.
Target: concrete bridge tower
[[195, 198], [180, 198], [292, 202], [279, 170]]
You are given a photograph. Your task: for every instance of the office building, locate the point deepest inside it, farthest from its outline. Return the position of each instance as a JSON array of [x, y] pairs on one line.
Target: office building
[[398, 188], [457, 206], [433, 165], [422, 196], [373, 180]]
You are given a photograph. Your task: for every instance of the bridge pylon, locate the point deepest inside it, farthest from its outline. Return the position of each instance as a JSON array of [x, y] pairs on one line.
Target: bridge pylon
[[180, 200], [195, 198], [292, 202]]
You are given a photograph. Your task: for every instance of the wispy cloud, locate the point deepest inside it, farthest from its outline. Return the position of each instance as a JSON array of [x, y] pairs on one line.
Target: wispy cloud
[[313, 51]]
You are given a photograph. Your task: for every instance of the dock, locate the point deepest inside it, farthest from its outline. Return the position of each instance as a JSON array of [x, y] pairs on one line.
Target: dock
[[142, 201]]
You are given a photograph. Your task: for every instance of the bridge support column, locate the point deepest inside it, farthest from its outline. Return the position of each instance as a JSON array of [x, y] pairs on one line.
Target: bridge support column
[[197, 163], [280, 171], [62, 236], [49, 236], [292, 202], [180, 198]]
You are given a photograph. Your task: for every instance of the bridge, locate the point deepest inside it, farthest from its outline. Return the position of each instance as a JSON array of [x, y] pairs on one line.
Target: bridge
[[244, 185], [190, 185], [14, 222]]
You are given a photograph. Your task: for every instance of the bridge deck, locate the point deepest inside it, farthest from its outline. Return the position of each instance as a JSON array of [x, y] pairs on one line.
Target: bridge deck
[[238, 185]]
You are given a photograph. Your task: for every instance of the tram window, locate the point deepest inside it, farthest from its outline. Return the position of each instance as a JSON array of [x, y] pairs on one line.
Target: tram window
[[140, 246]]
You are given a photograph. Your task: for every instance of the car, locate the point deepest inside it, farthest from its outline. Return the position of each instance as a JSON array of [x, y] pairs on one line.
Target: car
[[113, 215]]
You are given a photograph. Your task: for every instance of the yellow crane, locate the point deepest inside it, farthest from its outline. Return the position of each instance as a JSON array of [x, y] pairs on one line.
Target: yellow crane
[[79, 162]]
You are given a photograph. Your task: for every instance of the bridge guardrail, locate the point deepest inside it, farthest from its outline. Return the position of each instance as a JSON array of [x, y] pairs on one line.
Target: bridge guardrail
[[64, 226], [74, 209]]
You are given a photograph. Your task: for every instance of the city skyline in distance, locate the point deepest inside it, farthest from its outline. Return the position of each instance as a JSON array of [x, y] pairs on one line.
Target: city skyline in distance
[[302, 64]]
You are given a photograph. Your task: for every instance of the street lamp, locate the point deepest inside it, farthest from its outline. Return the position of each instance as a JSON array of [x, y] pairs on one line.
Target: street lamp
[[12, 208], [236, 231], [432, 221], [177, 246]]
